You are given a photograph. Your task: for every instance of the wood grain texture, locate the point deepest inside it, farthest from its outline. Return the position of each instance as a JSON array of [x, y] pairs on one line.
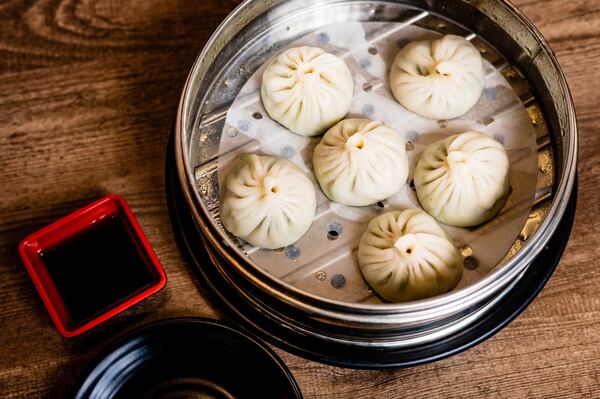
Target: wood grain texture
[[88, 92]]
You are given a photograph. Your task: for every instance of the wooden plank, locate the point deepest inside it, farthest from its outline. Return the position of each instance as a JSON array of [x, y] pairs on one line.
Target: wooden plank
[[88, 92]]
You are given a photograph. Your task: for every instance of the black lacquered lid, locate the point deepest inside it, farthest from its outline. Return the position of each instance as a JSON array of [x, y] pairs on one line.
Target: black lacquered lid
[[188, 357]]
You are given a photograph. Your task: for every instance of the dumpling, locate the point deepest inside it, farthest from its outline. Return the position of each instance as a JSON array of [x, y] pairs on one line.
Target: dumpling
[[359, 162], [307, 90], [463, 180], [439, 79], [268, 202], [405, 256]]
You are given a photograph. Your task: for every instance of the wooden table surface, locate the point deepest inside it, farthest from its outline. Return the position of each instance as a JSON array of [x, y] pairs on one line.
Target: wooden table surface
[[88, 92]]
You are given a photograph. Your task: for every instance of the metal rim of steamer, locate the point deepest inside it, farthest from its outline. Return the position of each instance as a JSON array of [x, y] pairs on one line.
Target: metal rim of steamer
[[509, 32]]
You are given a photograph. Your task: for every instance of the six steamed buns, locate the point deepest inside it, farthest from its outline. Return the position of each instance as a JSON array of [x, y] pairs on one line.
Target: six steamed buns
[[461, 180]]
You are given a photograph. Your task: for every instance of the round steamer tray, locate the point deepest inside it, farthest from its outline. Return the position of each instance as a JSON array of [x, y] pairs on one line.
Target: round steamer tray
[[508, 42]]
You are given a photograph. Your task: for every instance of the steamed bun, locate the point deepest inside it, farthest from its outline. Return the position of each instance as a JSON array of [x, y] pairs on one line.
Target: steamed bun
[[439, 79], [359, 162], [307, 90], [268, 202], [463, 180], [405, 256]]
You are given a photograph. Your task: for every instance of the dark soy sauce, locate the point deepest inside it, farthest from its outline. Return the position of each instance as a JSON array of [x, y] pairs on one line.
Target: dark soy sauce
[[98, 268]]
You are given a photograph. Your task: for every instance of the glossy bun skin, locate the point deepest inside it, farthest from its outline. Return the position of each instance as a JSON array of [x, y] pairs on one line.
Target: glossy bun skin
[[439, 79], [268, 201], [359, 162], [307, 90], [463, 180], [406, 256]]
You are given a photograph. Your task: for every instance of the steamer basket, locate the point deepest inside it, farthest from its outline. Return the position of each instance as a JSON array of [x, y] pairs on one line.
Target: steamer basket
[[237, 49]]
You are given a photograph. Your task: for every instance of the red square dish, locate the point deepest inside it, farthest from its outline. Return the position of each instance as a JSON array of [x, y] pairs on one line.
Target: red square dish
[[91, 265]]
